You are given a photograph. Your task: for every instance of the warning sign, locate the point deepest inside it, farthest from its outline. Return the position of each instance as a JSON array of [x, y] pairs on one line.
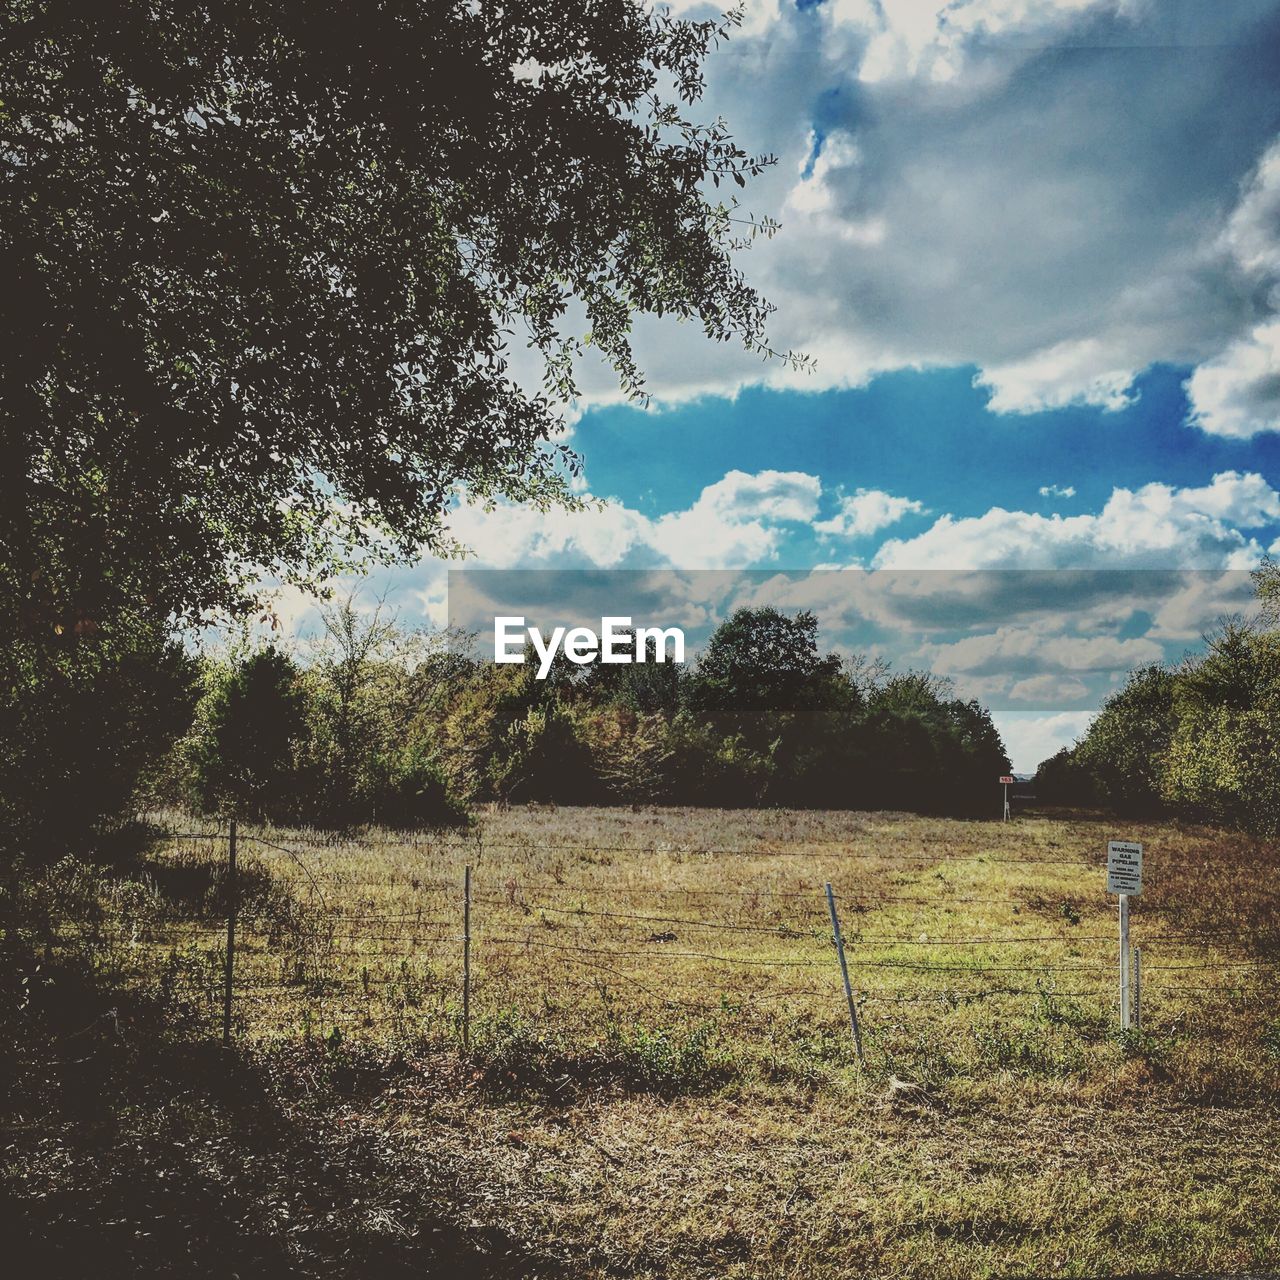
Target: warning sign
[[1124, 867]]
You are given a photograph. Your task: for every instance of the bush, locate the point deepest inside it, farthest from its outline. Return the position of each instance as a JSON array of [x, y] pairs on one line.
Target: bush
[[414, 794], [85, 720]]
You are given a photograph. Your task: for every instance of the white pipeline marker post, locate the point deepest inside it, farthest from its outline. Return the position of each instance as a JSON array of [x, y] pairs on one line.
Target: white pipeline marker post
[[844, 973], [1124, 877], [1124, 961], [1006, 781]]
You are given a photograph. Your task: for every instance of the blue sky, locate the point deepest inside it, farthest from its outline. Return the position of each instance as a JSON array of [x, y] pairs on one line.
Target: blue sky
[[873, 438], [1033, 247]]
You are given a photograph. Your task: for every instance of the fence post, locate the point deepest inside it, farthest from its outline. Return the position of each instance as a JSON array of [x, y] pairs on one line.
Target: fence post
[[1137, 987], [466, 959], [233, 902], [844, 973]]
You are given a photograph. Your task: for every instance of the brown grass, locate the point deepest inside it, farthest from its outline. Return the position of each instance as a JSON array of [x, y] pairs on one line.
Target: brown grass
[[661, 1078]]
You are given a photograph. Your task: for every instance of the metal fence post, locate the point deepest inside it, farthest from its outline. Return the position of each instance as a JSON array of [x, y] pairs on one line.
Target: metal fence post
[[844, 973], [1137, 987], [233, 902], [466, 959]]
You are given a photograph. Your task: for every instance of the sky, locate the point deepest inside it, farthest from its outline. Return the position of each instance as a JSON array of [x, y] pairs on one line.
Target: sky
[[1033, 248]]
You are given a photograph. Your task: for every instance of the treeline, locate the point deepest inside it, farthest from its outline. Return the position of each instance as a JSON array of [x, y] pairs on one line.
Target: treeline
[[1200, 740], [373, 724]]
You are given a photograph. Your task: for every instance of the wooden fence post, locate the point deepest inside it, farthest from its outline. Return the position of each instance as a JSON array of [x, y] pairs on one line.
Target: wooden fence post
[[233, 902], [844, 973]]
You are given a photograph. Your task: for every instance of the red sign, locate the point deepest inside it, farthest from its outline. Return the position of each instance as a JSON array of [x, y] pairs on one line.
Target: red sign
[[1008, 781]]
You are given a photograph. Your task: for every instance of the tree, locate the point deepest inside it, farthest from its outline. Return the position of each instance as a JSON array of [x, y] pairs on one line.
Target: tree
[[356, 659], [1266, 586], [252, 722], [1223, 758], [630, 753], [262, 266], [759, 667], [1063, 779], [1125, 746], [86, 717]]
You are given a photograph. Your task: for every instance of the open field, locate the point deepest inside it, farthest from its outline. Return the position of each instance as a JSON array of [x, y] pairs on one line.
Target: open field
[[661, 1078]]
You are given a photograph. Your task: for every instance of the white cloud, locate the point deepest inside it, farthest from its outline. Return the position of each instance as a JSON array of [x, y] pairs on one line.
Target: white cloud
[[1251, 237], [739, 520], [1200, 604], [1154, 526], [1006, 184], [773, 495], [1075, 372], [735, 521], [1057, 491], [1032, 649], [811, 193], [932, 38], [508, 536], [1049, 688], [1031, 739], [1237, 394], [866, 512]]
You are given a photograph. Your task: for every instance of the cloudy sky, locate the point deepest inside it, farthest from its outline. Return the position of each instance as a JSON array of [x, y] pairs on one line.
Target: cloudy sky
[[1034, 249]]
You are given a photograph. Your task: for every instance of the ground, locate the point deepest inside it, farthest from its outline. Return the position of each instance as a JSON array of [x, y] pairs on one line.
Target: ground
[[660, 1077]]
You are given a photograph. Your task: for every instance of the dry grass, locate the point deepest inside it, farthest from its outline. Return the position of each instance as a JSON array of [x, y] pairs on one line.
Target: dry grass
[[661, 1079]]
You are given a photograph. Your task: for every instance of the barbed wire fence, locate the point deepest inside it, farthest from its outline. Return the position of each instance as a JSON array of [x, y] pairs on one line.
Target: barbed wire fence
[[253, 950]]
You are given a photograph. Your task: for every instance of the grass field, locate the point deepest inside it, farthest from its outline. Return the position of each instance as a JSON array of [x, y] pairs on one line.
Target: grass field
[[661, 1078]]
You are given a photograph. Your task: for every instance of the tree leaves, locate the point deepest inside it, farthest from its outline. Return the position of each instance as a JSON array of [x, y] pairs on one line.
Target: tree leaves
[[261, 266]]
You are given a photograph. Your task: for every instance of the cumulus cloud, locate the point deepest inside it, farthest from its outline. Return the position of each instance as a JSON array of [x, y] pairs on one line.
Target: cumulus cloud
[[1048, 688], [1251, 237], [773, 495], [1006, 184], [1237, 393], [1032, 739], [1057, 491], [1075, 372], [736, 520], [1201, 602], [866, 512], [740, 519], [1034, 650], [1154, 526]]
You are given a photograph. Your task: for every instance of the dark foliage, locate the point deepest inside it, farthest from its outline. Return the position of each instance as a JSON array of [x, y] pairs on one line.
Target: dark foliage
[[259, 265], [763, 718], [1064, 779], [260, 268], [254, 718], [134, 1146], [85, 720]]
